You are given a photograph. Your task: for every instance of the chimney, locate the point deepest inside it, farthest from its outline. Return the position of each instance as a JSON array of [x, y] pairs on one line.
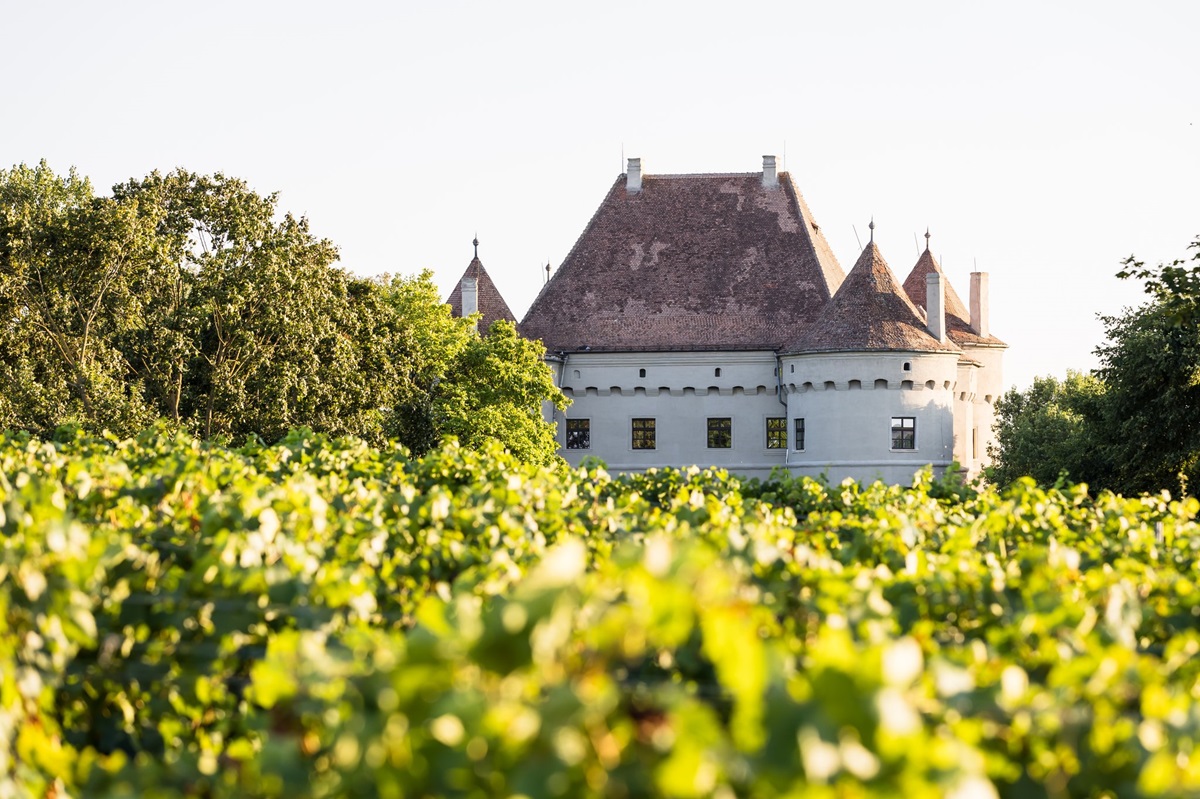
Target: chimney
[[979, 303], [470, 296], [935, 305], [633, 176], [770, 178]]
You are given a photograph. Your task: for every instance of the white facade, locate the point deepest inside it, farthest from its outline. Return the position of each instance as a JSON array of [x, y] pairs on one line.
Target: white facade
[[848, 402], [680, 391]]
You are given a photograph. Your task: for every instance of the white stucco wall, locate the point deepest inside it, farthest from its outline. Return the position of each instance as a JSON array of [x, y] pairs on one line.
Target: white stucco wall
[[989, 387], [680, 391], [847, 410], [848, 401]]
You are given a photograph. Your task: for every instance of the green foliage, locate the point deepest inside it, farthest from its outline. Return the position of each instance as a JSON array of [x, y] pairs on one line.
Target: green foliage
[[323, 618], [1132, 426], [495, 391], [1175, 285], [1050, 430], [1150, 366], [187, 298]]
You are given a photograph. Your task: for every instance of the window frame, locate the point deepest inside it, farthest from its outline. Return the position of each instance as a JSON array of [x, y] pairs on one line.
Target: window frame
[[721, 431], [902, 429], [798, 434], [647, 427], [587, 432], [781, 426]]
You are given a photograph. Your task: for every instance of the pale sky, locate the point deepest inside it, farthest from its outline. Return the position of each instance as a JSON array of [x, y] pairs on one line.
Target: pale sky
[[1042, 142]]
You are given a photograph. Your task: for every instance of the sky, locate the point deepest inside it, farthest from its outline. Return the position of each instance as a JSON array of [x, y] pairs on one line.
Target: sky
[[1041, 142]]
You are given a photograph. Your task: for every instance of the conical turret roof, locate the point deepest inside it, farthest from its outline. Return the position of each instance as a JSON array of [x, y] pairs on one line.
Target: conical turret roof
[[491, 303], [870, 312], [958, 318]]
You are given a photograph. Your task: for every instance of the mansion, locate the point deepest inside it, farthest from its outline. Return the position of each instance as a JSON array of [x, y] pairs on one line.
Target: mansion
[[703, 319]]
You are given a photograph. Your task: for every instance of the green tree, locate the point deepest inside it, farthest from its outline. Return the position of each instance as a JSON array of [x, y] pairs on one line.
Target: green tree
[[189, 298], [496, 392], [68, 260], [243, 334], [449, 380], [1150, 366], [1051, 428], [1176, 285]]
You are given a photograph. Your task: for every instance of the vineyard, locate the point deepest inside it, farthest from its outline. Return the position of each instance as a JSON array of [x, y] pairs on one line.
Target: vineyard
[[322, 618]]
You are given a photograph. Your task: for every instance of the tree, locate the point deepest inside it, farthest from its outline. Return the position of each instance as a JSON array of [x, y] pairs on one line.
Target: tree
[[1175, 285], [189, 298], [1134, 426], [1049, 429], [1150, 366], [496, 393], [452, 381], [67, 262], [241, 331]]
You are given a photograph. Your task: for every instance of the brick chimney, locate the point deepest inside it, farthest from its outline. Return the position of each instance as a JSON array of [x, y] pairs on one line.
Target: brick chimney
[[770, 177], [935, 305], [979, 303], [633, 176]]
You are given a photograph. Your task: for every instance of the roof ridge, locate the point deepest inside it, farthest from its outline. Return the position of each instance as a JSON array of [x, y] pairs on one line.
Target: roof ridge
[[674, 175]]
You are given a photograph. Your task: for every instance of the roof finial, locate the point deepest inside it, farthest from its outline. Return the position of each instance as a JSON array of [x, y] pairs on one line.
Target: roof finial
[[927, 238], [475, 241], [547, 271], [872, 226]]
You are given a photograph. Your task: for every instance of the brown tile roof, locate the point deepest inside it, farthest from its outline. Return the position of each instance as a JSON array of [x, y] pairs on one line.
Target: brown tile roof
[[691, 262], [958, 317], [869, 312], [491, 304]]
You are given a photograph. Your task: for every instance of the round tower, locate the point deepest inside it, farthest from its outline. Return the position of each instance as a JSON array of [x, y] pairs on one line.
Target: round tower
[[871, 383]]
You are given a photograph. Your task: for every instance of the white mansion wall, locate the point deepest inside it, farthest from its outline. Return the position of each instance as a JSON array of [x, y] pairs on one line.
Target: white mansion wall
[[989, 387], [680, 391], [848, 400]]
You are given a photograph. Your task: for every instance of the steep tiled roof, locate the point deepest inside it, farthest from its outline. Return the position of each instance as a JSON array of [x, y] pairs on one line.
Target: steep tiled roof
[[690, 262], [869, 312], [958, 318], [491, 304]]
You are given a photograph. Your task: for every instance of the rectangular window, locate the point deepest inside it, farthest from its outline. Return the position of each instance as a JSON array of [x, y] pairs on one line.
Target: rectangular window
[[579, 434], [777, 432], [799, 434], [904, 432], [643, 434], [720, 433]]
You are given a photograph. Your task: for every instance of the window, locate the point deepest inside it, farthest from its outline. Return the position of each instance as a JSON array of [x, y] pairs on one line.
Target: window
[[720, 433], [641, 372], [904, 432], [799, 434], [579, 434], [717, 372], [643, 434], [907, 366], [777, 432]]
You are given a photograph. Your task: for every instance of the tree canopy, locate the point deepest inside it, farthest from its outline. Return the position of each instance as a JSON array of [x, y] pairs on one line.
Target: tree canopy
[[1132, 426], [191, 299]]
